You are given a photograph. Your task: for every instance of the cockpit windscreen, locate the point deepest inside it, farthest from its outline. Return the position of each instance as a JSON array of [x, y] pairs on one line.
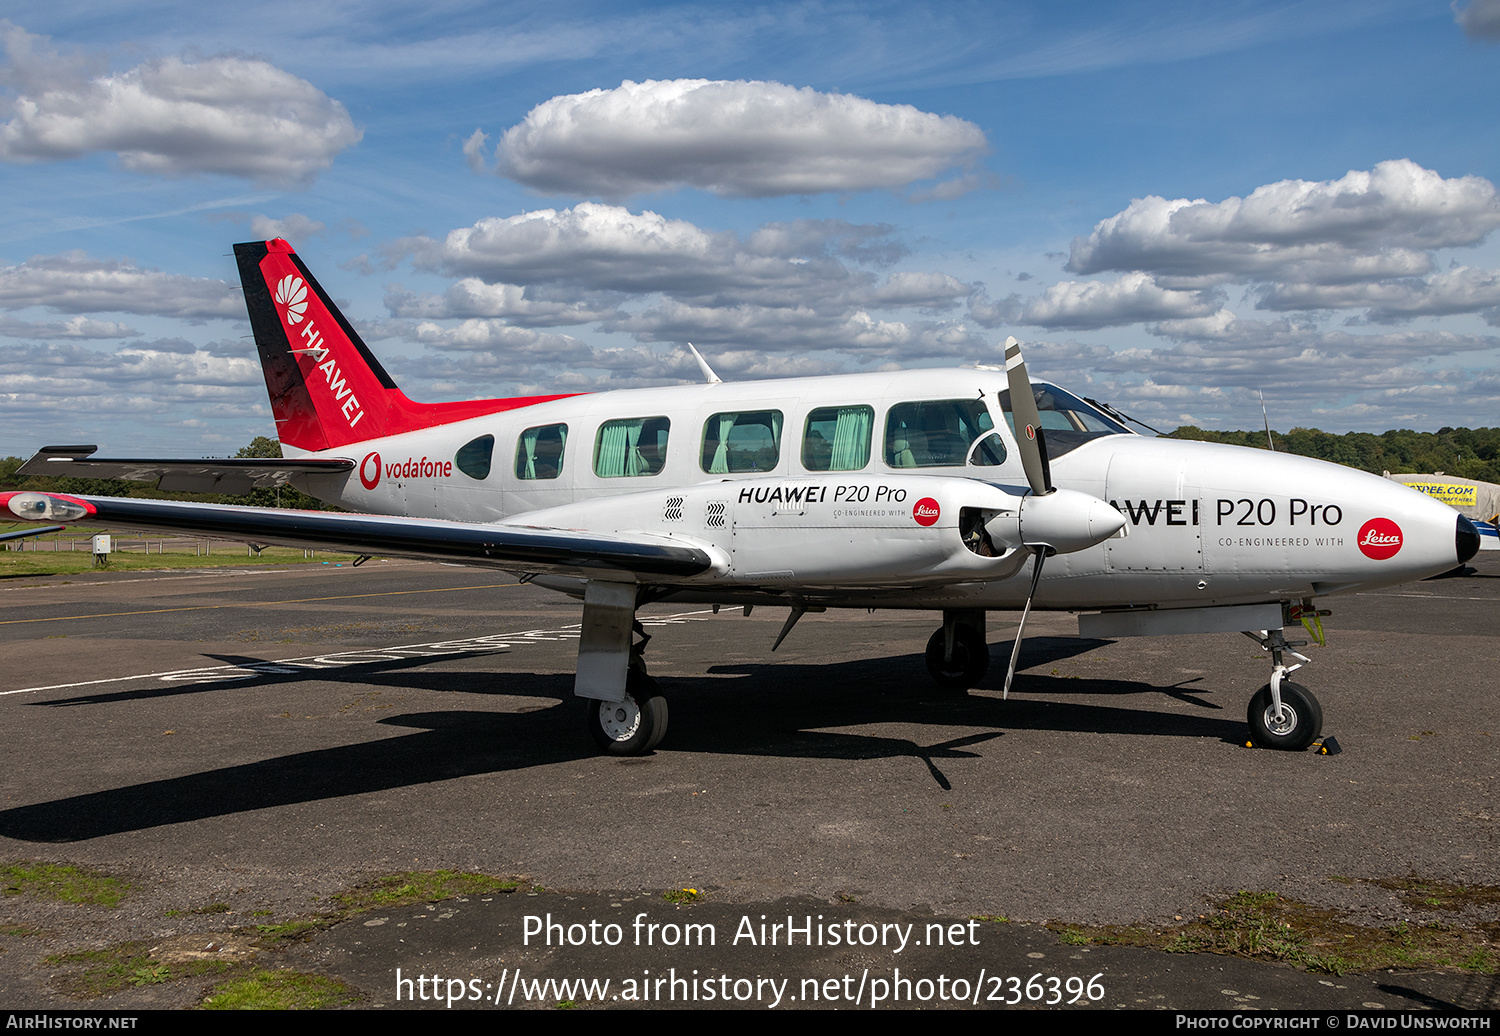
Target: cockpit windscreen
[[1067, 421]]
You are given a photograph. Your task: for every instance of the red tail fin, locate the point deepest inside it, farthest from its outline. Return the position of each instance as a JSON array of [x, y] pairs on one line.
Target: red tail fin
[[327, 389]]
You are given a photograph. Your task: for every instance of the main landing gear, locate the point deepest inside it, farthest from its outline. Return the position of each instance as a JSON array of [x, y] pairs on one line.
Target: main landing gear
[[957, 655], [625, 711], [633, 726], [1283, 714]]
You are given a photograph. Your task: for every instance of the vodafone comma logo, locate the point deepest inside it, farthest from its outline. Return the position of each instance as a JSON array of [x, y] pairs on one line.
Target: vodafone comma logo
[[370, 463], [291, 296], [926, 511], [1379, 538]]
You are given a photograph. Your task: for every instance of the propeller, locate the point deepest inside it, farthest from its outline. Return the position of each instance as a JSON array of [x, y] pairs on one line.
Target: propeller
[[1050, 520], [1028, 422]]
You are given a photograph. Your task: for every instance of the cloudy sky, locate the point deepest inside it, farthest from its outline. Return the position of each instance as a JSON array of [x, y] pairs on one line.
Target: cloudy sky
[[1175, 204]]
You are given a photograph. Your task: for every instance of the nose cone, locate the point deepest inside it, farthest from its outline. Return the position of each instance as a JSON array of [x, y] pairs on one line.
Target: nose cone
[[1466, 539], [1067, 520]]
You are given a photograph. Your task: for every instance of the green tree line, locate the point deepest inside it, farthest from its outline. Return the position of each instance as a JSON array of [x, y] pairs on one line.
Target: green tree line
[[1465, 452]]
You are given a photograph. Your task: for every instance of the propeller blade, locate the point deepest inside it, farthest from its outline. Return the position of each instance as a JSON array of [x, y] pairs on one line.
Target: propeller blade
[[1028, 421], [1015, 651]]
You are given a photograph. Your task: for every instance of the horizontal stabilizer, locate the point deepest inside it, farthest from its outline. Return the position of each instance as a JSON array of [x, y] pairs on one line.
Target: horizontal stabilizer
[[203, 475]]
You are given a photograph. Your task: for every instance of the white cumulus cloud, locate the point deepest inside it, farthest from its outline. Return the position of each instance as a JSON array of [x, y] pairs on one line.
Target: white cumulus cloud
[[1089, 305], [173, 117], [73, 282], [1375, 223], [736, 139]]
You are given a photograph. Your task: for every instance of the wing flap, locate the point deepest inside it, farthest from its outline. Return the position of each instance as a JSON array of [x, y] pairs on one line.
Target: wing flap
[[512, 547]]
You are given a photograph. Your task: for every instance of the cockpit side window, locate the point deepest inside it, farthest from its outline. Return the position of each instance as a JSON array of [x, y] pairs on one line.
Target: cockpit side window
[[935, 433], [539, 452]]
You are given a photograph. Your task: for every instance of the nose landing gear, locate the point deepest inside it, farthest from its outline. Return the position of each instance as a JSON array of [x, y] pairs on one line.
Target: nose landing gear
[[1283, 715]]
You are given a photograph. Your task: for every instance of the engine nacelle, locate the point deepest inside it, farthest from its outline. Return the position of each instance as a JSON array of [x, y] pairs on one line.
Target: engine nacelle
[[833, 530]]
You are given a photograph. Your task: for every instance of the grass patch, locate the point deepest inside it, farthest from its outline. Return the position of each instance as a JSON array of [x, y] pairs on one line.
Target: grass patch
[[263, 990], [96, 973], [62, 881], [392, 890], [15, 563], [420, 887], [680, 896], [1420, 894], [1265, 926]]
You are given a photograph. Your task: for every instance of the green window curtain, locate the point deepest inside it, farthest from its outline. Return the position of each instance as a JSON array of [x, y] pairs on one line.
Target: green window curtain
[[609, 454], [720, 465], [633, 463], [851, 438], [527, 461]]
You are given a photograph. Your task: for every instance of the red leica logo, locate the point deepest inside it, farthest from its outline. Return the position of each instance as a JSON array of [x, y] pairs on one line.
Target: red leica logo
[[1379, 538], [369, 470], [926, 512]]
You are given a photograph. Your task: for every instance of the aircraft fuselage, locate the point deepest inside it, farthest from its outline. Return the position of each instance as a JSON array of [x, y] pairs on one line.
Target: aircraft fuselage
[[1206, 524]]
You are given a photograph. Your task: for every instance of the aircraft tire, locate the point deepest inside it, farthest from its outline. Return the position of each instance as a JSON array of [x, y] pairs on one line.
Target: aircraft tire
[[971, 659], [634, 726], [1300, 726]]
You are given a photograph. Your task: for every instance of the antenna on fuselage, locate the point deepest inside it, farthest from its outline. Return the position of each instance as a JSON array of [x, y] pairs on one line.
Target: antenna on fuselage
[[1266, 420], [708, 372]]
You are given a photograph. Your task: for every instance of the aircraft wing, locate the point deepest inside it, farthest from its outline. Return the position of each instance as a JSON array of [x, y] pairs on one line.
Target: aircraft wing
[[513, 547], [204, 475]]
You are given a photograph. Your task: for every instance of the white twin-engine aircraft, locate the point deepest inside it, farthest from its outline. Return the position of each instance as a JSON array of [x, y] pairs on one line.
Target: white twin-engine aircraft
[[921, 489]]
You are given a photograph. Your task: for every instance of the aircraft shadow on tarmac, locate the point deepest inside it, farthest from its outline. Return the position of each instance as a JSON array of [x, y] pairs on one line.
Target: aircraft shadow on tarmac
[[801, 711]]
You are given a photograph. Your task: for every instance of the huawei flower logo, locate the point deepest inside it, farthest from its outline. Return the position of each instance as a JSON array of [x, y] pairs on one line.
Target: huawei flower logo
[[291, 295]]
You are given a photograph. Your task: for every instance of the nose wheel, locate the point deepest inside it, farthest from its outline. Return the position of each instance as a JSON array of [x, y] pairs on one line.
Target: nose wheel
[[1291, 727], [1283, 715]]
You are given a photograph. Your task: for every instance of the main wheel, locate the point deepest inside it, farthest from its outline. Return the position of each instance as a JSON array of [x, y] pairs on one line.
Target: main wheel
[[1299, 724], [633, 726], [971, 658]]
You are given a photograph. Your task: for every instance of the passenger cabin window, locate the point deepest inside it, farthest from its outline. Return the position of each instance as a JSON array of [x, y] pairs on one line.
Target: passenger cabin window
[[748, 440], [635, 446], [837, 438], [539, 452], [934, 433], [473, 457]]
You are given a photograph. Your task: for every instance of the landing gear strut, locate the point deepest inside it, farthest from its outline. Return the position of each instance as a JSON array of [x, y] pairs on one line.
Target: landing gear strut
[[626, 712], [1283, 714], [957, 655]]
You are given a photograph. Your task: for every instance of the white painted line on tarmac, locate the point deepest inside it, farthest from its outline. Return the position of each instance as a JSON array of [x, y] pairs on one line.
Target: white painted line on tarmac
[[490, 643]]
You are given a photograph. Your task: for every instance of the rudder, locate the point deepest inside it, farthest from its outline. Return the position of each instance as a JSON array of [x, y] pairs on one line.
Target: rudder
[[326, 388]]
